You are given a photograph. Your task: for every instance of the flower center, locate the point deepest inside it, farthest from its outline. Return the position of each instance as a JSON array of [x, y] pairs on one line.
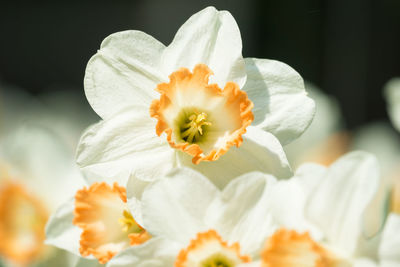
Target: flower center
[[217, 260], [128, 223], [194, 127], [189, 106]]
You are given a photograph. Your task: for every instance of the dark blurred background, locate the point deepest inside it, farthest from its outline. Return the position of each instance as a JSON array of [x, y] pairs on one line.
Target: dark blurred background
[[349, 48]]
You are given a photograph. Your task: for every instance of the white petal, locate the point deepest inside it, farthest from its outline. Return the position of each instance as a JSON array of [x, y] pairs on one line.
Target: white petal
[[210, 37], [310, 175], [123, 145], [389, 249], [281, 105], [339, 202], [156, 252], [242, 212], [124, 72], [392, 94], [60, 231], [175, 207], [260, 151], [288, 199]]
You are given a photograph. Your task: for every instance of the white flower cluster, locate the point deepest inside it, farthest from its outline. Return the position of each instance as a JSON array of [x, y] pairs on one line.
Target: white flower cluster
[[168, 187], [186, 167]]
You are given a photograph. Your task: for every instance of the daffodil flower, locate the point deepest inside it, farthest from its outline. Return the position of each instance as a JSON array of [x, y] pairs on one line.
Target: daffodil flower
[[203, 217], [321, 217], [189, 104], [96, 223]]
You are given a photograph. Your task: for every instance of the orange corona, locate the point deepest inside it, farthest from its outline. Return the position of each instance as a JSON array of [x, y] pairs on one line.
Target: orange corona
[[200, 118], [107, 225], [290, 249]]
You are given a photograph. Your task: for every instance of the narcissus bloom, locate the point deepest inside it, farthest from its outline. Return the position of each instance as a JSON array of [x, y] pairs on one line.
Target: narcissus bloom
[[259, 221], [189, 104], [97, 223]]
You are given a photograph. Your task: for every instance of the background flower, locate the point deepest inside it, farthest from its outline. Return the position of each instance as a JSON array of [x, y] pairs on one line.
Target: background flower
[[36, 168]]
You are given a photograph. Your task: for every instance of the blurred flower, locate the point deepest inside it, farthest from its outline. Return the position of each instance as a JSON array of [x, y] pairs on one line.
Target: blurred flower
[[36, 169], [96, 222], [392, 94], [257, 220], [128, 78], [325, 139]]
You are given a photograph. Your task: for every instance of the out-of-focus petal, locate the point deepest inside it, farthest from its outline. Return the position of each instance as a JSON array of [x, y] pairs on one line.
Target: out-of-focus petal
[[392, 94], [338, 203]]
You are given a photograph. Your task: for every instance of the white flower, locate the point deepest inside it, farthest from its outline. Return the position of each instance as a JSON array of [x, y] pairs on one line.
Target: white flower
[[392, 94], [322, 216], [176, 209], [96, 223], [143, 89]]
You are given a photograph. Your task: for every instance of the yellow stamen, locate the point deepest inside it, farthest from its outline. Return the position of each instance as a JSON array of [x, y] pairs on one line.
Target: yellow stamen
[[128, 223], [193, 128], [217, 260]]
